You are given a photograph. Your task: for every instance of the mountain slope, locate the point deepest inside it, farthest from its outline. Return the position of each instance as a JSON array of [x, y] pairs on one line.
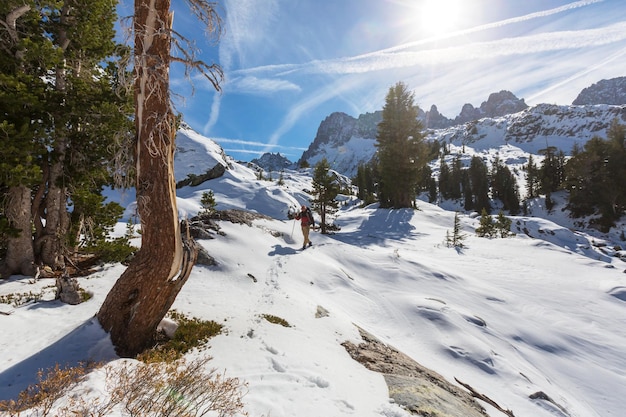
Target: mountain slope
[[345, 145], [534, 322]]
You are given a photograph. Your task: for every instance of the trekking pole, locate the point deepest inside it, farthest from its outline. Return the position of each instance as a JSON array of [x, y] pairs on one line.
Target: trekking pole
[[293, 227]]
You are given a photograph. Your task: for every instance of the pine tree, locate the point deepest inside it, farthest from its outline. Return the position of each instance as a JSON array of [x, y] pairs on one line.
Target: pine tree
[[479, 179], [468, 200], [504, 186], [444, 179], [61, 133], [503, 225], [208, 201], [532, 178], [456, 239], [325, 189], [487, 226], [456, 178], [595, 178], [400, 149], [365, 183]]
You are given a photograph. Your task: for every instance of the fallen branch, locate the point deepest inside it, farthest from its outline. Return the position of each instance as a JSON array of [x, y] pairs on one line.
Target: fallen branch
[[484, 398]]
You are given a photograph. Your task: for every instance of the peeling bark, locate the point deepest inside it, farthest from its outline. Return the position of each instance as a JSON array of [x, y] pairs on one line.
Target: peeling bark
[[146, 290]]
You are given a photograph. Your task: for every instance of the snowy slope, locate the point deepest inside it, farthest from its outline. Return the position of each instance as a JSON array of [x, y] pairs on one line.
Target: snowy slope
[[539, 312]]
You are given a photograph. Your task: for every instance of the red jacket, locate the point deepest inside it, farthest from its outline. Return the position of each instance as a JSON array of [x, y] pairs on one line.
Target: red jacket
[[305, 219]]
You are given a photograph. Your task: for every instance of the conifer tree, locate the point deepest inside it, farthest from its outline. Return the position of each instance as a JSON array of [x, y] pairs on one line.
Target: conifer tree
[[487, 226], [455, 240], [54, 59], [400, 149], [532, 178], [595, 178], [479, 179], [208, 202], [551, 173], [427, 183], [468, 200], [456, 178], [325, 190], [22, 98], [503, 225], [365, 183], [504, 186]]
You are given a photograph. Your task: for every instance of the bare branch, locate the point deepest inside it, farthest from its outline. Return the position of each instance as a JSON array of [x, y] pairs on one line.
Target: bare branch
[[206, 12], [484, 398]]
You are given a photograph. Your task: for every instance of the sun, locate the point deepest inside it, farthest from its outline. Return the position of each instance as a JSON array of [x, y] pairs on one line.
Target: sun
[[439, 17]]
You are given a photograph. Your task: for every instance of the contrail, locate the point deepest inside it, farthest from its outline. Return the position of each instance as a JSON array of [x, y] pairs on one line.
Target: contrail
[[323, 66], [487, 26]]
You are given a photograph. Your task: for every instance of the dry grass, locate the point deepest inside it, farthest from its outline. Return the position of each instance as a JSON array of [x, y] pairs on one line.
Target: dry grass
[[135, 389]]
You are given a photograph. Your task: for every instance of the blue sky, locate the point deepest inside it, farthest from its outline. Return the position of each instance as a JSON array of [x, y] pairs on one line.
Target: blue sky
[[291, 63]]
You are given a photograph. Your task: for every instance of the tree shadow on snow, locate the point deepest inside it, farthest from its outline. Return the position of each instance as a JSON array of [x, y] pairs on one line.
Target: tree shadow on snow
[[87, 342], [381, 225]]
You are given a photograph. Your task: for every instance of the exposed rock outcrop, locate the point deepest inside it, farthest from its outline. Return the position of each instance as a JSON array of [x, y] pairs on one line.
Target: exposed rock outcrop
[[194, 180], [414, 387]]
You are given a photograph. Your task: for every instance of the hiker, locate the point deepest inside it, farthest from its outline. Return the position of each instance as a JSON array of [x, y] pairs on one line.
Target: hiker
[[306, 221]]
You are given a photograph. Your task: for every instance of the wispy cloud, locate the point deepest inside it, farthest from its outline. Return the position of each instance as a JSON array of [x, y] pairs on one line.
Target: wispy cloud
[[408, 54], [248, 21], [214, 115], [402, 58], [331, 90], [265, 146], [498, 24], [260, 86]]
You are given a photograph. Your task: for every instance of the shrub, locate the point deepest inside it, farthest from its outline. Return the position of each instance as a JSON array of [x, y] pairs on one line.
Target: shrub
[[180, 389], [177, 389], [189, 334], [18, 299], [40, 397], [276, 320]]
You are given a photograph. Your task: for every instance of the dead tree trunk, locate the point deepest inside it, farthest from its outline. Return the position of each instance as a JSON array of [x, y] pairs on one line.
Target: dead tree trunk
[[146, 290]]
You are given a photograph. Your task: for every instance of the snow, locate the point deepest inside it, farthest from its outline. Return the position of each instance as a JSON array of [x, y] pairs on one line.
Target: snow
[[543, 310]]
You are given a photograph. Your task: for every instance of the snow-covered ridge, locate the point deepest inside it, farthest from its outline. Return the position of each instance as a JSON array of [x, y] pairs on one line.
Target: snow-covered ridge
[[341, 141], [536, 128]]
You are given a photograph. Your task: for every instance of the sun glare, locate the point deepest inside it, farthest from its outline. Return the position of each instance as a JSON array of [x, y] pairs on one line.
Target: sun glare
[[438, 17]]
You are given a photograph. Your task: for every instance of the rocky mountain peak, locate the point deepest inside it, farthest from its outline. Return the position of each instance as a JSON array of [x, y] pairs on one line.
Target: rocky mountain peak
[[501, 104], [611, 91], [336, 137], [497, 105], [272, 162], [435, 120]]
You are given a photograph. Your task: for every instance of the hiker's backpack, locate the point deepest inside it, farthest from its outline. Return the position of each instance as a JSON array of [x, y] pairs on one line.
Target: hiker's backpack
[[310, 216]]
